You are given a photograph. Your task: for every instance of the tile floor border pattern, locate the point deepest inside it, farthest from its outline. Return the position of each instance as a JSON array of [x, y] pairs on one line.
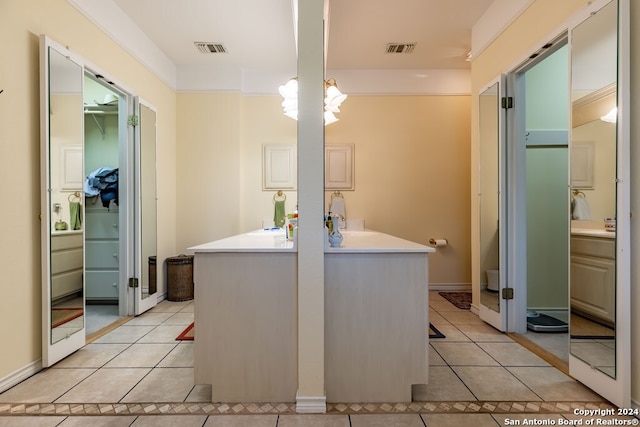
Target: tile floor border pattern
[[453, 407]]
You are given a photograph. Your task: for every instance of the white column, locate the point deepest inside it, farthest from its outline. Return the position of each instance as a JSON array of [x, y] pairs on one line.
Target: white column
[[311, 391]]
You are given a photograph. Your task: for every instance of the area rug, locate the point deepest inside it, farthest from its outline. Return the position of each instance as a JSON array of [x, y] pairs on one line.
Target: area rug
[[462, 300], [60, 316], [583, 328], [187, 334]]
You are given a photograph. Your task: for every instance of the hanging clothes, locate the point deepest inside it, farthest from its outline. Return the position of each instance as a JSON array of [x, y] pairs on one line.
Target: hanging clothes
[[103, 182]]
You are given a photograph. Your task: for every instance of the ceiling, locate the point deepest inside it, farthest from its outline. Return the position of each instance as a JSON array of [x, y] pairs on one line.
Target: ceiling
[[259, 34]]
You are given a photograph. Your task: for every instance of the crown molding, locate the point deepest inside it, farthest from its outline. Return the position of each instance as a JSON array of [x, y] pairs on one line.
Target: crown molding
[[108, 17]]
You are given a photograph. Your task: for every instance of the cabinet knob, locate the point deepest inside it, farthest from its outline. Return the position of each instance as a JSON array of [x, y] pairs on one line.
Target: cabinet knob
[[115, 225], [114, 285], [115, 255]]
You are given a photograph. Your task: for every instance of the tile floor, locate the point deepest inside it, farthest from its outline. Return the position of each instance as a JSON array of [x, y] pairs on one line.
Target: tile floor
[[138, 375]]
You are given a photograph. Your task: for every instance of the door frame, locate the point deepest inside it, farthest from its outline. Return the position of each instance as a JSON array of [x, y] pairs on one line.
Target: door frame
[[516, 186]]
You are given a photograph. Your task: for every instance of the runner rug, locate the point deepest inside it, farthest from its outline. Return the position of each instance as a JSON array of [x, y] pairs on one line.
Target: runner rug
[[583, 328], [462, 300], [187, 334], [60, 316]]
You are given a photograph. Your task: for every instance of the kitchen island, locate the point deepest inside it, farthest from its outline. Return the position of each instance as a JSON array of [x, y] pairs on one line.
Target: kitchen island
[[376, 318]]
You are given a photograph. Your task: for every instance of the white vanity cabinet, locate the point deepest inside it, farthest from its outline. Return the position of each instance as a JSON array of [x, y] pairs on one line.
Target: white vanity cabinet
[[102, 265], [593, 273], [66, 263]]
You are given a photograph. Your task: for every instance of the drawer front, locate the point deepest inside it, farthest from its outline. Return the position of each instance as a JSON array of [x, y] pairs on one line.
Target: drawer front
[[593, 246], [66, 241], [66, 283], [102, 255], [102, 225], [62, 261], [101, 284]]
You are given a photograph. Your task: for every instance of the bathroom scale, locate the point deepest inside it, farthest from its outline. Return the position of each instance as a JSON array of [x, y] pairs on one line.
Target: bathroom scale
[[542, 323]]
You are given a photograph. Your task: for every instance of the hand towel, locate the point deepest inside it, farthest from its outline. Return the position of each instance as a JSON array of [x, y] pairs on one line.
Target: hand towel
[[278, 214], [337, 207], [75, 213], [581, 209]]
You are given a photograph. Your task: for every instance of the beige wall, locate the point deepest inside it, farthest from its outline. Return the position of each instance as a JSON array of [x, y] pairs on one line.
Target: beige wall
[[411, 168], [21, 22], [412, 172]]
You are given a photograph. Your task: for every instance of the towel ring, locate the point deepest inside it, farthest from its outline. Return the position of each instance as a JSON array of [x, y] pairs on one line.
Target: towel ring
[[578, 193], [74, 197], [337, 194], [280, 194]]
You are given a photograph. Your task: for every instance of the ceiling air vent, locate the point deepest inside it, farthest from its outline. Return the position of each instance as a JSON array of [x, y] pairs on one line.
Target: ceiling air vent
[[205, 47], [400, 47]]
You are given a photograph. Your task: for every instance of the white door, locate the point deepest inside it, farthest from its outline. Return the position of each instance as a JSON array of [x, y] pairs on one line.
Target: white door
[[493, 302]]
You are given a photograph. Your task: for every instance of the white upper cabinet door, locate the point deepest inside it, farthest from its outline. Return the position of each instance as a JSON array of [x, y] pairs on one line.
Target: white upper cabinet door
[[338, 163], [279, 167]]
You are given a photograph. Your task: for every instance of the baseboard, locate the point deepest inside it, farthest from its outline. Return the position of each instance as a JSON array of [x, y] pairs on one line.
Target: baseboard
[[450, 287], [635, 404], [475, 309], [311, 404], [162, 297], [20, 375]]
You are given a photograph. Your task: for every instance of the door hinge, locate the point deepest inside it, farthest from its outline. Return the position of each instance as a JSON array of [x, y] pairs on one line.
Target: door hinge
[[133, 120], [133, 282], [507, 293], [507, 102]]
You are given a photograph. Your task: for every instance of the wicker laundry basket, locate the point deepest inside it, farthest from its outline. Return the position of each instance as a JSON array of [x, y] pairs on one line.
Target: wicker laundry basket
[[153, 287], [180, 278]]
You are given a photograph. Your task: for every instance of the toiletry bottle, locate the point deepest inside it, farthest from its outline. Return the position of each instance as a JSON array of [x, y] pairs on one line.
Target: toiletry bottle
[[329, 223]]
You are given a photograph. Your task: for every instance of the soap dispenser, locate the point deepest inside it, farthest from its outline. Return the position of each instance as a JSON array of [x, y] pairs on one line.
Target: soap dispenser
[[335, 237]]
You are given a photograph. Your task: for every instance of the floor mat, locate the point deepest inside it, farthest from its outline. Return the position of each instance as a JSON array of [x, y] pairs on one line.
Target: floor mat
[[462, 300]]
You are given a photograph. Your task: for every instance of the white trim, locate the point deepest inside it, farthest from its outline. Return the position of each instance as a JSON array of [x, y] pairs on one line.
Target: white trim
[[311, 404], [497, 18], [162, 296], [352, 82], [460, 287], [475, 310], [20, 375], [108, 17], [403, 82], [624, 191]]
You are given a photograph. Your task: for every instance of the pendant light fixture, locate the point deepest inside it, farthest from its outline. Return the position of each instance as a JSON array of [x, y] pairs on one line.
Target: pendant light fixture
[[332, 101]]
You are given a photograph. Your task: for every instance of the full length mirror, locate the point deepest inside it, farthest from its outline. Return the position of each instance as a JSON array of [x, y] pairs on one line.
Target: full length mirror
[[148, 195], [489, 198], [593, 190], [65, 202]]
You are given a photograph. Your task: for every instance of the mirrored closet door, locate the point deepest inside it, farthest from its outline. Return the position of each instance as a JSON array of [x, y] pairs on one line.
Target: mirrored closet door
[[98, 208], [599, 239], [62, 210], [492, 305]]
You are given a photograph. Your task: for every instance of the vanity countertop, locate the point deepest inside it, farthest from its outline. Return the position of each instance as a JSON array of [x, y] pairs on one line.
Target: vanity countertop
[[593, 232], [270, 240], [273, 240], [64, 232], [369, 241]]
